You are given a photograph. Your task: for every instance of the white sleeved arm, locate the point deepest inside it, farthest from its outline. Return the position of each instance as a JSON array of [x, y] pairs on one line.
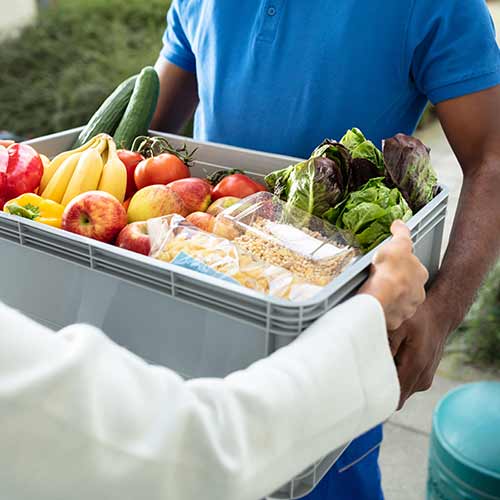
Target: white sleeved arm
[[83, 418]]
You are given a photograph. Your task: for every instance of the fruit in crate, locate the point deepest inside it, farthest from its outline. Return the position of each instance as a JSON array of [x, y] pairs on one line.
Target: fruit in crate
[[114, 173], [58, 161], [135, 238], [94, 166], [195, 193], [95, 214], [155, 201], [130, 159], [202, 220], [21, 171], [221, 204]]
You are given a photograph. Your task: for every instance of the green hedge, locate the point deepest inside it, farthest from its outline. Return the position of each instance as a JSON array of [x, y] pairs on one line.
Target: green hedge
[[479, 335], [57, 72]]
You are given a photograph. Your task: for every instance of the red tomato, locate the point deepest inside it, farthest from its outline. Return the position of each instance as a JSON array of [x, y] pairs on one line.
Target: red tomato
[[162, 169], [237, 185], [130, 159], [23, 173]]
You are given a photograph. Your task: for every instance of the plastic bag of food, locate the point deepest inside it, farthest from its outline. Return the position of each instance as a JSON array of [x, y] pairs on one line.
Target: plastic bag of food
[[274, 232], [175, 240]]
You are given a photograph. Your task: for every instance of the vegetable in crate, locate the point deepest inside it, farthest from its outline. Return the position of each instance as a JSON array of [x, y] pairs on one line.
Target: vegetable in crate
[[34, 207], [314, 185], [108, 116], [163, 164], [233, 183], [367, 214], [408, 164], [21, 170], [366, 160], [162, 169], [140, 110]]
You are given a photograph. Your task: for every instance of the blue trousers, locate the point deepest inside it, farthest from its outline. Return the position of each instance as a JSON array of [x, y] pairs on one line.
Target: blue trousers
[[356, 474]]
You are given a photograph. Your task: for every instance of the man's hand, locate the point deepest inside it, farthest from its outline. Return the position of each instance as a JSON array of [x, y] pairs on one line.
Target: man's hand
[[417, 347], [397, 278]]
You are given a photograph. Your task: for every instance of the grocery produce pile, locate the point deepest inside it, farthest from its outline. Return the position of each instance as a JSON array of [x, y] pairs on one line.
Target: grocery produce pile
[[288, 238]]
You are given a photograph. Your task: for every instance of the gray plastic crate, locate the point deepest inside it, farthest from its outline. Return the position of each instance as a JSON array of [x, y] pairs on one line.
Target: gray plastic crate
[[194, 324]]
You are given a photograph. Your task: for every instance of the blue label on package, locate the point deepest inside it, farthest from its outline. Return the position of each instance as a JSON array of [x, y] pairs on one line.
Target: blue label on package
[[184, 260]]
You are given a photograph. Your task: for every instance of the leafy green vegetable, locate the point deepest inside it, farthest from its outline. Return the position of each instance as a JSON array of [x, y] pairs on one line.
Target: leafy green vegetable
[[313, 185], [360, 147], [409, 166], [367, 214], [366, 160]]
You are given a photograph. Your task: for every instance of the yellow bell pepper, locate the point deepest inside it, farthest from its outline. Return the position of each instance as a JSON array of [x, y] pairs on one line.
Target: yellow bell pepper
[[34, 207]]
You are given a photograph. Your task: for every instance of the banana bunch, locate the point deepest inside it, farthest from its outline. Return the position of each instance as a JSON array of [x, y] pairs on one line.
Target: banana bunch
[[93, 166]]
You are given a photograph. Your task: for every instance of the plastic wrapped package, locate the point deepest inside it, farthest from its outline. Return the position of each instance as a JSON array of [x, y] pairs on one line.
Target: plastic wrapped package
[[175, 240], [273, 232]]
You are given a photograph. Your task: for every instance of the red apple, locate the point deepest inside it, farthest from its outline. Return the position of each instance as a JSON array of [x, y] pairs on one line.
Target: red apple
[[95, 214], [195, 193], [135, 238], [202, 220], [155, 201], [221, 204], [130, 159]]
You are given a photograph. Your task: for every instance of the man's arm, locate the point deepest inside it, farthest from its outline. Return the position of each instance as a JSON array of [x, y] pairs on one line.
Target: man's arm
[[178, 97], [472, 125]]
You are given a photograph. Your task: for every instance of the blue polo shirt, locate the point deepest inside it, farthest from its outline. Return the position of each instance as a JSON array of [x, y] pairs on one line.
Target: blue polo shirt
[[281, 75]]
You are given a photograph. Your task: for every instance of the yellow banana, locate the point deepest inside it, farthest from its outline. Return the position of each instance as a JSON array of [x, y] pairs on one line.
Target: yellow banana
[[114, 174], [86, 176], [52, 167], [56, 188]]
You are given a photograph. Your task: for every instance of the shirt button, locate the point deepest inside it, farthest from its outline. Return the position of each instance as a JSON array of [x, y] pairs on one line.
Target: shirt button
[[271, 11]]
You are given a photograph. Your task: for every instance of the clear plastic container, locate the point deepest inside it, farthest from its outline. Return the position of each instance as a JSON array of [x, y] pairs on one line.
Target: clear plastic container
[[271, 231]]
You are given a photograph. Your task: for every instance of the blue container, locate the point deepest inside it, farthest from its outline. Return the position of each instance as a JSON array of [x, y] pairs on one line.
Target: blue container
[[464, 462]]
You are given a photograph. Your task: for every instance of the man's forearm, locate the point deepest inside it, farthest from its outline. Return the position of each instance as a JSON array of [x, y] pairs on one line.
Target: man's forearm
[[474, 245]]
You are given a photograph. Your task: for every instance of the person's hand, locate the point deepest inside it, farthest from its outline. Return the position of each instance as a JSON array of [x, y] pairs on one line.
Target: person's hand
[[397, 278], [6, 144], [417, 346]]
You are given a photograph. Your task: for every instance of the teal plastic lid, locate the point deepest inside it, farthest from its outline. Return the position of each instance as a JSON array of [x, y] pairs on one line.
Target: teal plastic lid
[[466, 436]]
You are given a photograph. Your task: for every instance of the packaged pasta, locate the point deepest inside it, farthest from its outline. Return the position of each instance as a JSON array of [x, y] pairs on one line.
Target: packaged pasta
[[176, 241]]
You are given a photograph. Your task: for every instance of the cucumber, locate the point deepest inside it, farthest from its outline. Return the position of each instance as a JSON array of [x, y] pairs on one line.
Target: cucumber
[[140, 109], [107, 118]]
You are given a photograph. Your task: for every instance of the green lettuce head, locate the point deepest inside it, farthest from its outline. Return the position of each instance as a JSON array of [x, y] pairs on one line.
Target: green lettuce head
[[367, 215], [366, 162], [313, 185]]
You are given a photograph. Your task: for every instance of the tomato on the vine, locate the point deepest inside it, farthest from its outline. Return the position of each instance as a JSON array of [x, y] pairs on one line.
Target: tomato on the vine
[[162, 169]]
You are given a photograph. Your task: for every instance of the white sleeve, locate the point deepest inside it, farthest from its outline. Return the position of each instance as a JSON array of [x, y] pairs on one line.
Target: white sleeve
[[83, 418]]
